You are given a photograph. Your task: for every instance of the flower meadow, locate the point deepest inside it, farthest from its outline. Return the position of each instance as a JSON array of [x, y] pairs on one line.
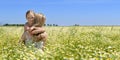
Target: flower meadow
[[64, 43]]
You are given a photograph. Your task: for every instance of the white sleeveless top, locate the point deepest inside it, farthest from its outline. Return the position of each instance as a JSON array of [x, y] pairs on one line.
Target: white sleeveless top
[[29, 42]]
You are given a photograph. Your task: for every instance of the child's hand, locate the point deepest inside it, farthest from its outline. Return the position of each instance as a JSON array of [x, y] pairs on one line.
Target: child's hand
[[32, 28], [28, 28]]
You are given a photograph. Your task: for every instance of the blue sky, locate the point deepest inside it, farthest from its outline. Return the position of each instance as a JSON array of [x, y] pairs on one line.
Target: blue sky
[[63, 12]]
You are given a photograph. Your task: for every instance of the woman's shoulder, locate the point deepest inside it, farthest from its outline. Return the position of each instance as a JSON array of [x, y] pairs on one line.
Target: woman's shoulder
[[26, 26]]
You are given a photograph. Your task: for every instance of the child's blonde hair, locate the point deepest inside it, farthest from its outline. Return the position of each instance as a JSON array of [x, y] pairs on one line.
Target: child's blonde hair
[[39, 20]]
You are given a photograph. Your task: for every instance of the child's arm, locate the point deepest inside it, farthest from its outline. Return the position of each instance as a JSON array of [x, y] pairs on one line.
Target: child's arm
[[37, 30], [41, 37]]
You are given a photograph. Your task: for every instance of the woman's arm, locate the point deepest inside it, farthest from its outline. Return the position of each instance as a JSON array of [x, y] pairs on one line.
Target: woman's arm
[[23, 37]]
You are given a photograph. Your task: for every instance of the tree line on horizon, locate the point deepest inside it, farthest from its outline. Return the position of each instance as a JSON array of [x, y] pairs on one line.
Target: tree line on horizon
[[23, 24], [44, 24], [53, 25]]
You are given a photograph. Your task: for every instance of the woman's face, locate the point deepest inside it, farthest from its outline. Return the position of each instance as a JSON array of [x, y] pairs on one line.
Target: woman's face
[[30, 18]]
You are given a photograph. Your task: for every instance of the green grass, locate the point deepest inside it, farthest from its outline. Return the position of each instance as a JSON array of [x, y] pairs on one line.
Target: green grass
[[64, 43]]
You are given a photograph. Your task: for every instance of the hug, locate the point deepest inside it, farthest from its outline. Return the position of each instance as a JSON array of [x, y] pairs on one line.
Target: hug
[[34, 31]]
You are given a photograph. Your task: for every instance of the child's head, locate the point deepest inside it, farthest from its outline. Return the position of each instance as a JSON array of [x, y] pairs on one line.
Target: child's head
[[30, 16], [39, 20]]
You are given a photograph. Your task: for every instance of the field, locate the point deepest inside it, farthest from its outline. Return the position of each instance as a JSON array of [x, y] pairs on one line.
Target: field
[[64, 43]]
